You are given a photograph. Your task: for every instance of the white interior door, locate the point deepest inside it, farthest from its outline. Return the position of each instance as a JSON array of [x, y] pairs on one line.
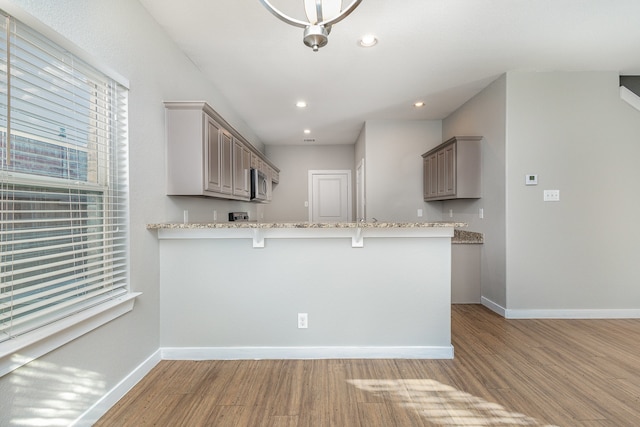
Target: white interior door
[[330, 196]]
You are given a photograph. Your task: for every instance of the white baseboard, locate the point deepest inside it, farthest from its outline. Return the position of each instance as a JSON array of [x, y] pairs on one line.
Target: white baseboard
[[561, 313], [496, 308], [573, 314], [252, 353], [630, 97], [105, 403]]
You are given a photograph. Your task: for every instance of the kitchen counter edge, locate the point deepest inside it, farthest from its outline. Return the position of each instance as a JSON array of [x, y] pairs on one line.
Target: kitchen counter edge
[[240, 224], [460, 236]]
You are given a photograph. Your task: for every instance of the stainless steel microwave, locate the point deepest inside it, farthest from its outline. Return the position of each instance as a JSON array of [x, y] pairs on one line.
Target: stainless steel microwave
[[259, 185]]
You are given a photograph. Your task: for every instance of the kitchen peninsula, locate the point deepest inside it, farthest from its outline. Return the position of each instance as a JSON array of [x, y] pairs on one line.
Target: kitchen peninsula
[[234, 290]]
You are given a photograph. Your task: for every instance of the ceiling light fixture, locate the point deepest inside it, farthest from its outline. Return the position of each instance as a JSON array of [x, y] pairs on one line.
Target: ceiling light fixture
[[307, 131], [301, 104], [418, 104], [321, 15], [368, 40]]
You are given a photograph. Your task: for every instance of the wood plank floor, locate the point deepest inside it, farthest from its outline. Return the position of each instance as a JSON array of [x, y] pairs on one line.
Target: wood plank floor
[[505, 373]]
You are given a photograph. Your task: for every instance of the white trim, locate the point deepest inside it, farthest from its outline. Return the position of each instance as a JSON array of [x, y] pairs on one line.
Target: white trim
[[253, 353], [109, 399], [630, 313], [630, 97], [21, 350], [259, 235], [496, 308], [25, 17], [573, 314]]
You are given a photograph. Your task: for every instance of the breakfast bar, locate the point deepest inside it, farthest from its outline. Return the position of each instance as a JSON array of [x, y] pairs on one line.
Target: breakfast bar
[[366, 290]]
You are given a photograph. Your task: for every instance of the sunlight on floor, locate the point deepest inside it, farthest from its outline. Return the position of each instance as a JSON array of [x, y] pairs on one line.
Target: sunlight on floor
[[63, 394], [444, 405]]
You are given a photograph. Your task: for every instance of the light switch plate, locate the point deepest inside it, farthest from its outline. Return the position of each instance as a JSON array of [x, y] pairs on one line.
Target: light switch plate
[[551, 195]]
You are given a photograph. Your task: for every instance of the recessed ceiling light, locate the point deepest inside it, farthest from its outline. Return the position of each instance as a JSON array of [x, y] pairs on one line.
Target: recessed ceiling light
[[368, 40], [307, 131], [301, 104], [418, 104]]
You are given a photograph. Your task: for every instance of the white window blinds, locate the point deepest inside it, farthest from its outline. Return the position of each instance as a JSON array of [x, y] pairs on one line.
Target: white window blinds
[[63, 182]]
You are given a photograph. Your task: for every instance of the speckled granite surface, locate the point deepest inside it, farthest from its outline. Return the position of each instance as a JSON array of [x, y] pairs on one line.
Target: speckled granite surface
[[467, 237], [306, 225], [460, 236]]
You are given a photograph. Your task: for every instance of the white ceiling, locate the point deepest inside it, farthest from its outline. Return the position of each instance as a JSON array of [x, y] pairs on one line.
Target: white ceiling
[[441, 52]]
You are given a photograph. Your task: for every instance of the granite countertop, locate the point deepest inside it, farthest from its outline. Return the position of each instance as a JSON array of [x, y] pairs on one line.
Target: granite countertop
[[465, 237], [459, 237], [250, 224]]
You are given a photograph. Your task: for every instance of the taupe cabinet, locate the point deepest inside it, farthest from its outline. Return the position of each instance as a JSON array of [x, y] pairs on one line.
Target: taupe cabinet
[[241, 168], [218, 155], [206, 156], [453, 169]]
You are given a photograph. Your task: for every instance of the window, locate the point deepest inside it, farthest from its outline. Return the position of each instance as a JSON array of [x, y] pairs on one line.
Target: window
[[63, 183]]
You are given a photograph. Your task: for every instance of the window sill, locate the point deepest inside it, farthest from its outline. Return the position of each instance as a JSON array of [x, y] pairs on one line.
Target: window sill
[[25, 348]]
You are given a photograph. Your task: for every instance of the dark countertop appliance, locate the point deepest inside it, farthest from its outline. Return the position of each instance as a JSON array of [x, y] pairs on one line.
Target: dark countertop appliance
[[238, 216]]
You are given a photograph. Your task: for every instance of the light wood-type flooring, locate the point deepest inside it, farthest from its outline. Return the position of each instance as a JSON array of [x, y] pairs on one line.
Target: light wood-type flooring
[[505, 373]]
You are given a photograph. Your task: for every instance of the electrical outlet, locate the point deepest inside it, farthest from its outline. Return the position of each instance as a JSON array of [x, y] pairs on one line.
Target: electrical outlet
[[481, 213], [419, 213], [303, 320], [450, 213], [215, 215]]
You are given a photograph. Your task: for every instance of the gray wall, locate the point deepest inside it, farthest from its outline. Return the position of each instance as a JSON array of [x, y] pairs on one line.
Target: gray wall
[[294, 163], [575, 132], [543, 259], [485, 115], [393, 169], [122, 35], [352, 295]]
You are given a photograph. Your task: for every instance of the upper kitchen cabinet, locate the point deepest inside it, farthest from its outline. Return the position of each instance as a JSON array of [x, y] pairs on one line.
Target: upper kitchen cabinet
[[453, 170], [205, 155], [241, 169]]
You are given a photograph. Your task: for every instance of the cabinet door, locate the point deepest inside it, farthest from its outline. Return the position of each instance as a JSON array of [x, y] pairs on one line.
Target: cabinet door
[[450, 170], [433, 187], [430, 176], [226, 162], [446, 159], [441, 189], [241, 165], [213, 178]]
